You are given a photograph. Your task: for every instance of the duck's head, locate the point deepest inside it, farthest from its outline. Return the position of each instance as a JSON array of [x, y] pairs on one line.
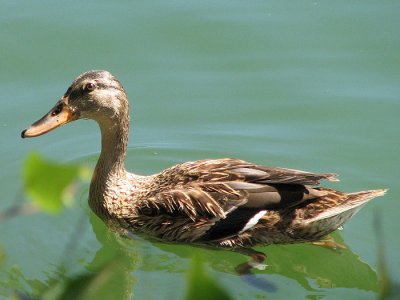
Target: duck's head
[[96, 95]]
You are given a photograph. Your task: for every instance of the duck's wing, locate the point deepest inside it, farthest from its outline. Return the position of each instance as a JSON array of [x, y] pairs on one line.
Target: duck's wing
[[229, 193]]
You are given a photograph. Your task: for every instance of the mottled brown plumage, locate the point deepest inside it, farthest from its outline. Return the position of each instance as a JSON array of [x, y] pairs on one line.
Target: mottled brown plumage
[[222, 202]]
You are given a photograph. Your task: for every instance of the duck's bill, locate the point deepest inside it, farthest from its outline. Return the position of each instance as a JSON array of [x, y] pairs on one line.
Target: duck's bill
[[59, 115]]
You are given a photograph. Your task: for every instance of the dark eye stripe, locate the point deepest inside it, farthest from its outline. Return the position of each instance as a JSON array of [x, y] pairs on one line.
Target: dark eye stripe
[[77, 90], [106, 86]]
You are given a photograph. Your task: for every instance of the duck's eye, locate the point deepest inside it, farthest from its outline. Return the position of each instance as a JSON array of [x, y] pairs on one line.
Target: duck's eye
[[90, 86]]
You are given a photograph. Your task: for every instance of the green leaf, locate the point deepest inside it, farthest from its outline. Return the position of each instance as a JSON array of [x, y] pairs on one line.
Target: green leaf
[[47, 183], [201, 286], [112, 280]]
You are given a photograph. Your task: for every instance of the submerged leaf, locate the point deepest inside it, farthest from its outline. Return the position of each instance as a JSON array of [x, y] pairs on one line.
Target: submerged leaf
[[201, 286], [46, 182]]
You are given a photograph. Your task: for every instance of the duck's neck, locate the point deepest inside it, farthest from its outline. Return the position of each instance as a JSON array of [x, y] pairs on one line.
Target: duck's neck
[[110, 166], [114, 141]]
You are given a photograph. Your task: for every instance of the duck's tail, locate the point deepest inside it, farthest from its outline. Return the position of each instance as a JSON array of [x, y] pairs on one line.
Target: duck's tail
[[351, 204], [335, 209]]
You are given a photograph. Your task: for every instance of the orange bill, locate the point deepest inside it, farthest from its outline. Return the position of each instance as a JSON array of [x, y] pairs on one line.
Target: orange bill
[[59, 115]]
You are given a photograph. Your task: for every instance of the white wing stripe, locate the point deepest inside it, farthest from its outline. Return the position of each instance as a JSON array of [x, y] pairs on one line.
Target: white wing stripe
[[253, 221]]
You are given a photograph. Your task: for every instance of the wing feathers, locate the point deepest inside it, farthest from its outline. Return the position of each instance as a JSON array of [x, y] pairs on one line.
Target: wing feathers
[[232, 193], [236, 222], [262, 174]]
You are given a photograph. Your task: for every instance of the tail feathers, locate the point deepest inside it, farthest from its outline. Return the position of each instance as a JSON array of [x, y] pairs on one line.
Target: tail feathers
[[350, 206]]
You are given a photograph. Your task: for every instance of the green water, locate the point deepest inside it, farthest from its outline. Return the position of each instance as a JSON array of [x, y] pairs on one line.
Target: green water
[[311, 85]]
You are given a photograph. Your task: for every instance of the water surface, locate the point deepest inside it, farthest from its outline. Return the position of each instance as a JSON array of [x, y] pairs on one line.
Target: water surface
[[310, 85]]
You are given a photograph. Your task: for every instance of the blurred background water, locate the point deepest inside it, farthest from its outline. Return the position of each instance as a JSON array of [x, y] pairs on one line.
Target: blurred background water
[[311, 85]]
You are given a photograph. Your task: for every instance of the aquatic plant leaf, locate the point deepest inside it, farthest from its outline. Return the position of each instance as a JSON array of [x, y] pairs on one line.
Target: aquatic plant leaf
[[201, 286], [47, 183], [110, 281]]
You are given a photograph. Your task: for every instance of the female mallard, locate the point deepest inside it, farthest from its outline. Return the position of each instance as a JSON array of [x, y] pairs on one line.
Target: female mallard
[[220, 202]]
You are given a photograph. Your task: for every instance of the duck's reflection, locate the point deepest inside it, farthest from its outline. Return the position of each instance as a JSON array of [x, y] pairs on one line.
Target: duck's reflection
[[311, 266]]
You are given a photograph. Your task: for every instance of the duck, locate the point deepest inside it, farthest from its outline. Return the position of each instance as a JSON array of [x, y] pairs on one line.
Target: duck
[[227, 203]]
